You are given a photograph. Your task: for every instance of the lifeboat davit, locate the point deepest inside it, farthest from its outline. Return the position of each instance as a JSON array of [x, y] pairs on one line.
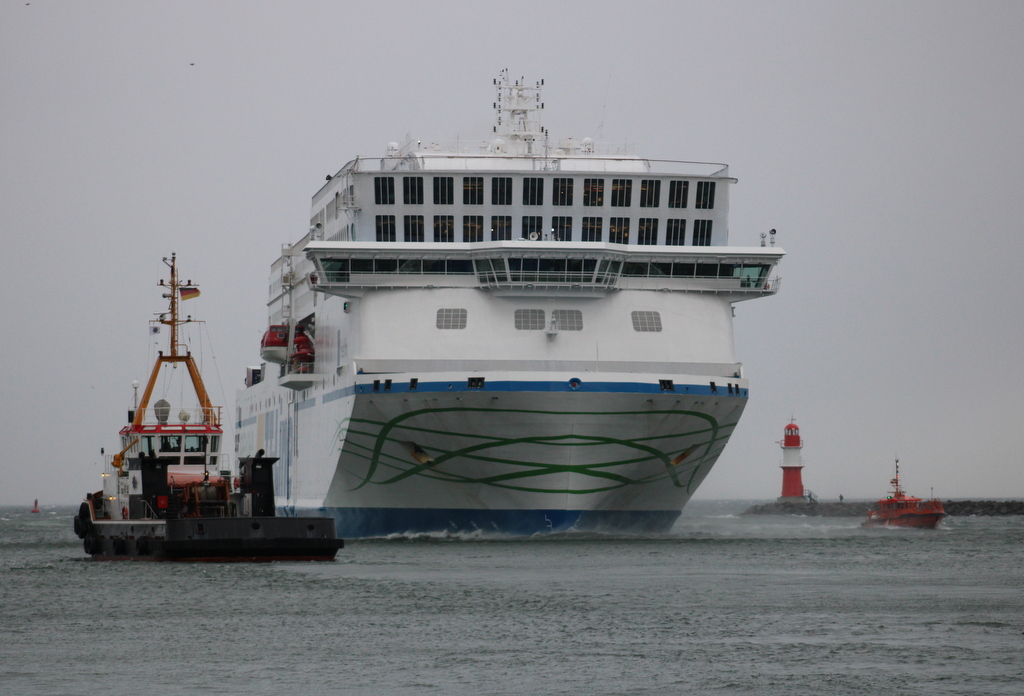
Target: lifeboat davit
[[274, 346], [304, 354]]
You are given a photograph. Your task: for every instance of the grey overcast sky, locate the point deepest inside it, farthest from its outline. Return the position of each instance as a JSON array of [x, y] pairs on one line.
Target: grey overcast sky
[[884, 141]]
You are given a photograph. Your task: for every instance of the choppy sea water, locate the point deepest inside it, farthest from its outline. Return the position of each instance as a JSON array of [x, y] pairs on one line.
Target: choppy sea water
[[724, 604]]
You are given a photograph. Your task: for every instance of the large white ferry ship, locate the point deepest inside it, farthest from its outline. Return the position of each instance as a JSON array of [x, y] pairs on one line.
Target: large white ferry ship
[[521, 336]]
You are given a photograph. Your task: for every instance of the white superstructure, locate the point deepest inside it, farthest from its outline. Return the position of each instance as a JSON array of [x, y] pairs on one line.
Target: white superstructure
[[531, 335]]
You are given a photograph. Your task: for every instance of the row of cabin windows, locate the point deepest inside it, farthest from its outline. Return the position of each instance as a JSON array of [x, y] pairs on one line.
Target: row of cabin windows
[[561, 319], [532, 227], [620, 191]]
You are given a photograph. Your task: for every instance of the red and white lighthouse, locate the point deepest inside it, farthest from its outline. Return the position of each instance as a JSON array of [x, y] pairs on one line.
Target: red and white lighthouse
[[792, 463]]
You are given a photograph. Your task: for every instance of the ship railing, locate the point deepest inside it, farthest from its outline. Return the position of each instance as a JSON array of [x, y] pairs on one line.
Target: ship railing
[[155, 415], [576, 162], [599, 278]]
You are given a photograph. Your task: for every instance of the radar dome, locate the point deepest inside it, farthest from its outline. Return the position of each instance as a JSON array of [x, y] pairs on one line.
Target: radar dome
[[162, 410]]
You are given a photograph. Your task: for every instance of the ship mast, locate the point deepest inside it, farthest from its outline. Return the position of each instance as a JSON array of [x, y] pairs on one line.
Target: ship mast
[[176, 287]]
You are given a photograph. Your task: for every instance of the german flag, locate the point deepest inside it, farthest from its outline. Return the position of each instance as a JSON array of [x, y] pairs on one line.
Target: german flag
[[188, 293]]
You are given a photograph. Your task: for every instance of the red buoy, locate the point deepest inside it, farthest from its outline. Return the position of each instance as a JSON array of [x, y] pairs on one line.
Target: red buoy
[[35, 506]]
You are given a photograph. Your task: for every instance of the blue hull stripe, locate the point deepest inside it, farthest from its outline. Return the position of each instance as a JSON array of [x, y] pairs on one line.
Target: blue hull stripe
[[376, 522]]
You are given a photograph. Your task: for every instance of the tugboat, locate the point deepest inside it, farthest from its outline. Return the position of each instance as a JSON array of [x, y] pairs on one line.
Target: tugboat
[[902, 510], [167, 495]]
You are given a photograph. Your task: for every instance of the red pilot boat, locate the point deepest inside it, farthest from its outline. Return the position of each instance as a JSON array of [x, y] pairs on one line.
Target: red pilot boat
[[170, 494], [902, 510]]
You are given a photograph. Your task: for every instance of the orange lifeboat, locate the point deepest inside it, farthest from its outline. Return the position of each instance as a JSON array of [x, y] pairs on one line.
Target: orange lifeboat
[[274, 346], [902, 510], [304, 354]]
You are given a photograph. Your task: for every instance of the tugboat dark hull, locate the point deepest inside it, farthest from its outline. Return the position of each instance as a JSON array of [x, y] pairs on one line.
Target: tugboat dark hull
[[215, 539]]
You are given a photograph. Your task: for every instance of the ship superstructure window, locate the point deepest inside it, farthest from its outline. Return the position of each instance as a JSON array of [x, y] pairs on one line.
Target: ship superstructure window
[[501, 228], [675, 232], [501, 190], [702, 233], [677, 193], [561, 228], [444, 228], [622, 193], [472, 228], [646, 321], [705, 195], [593, 192], [385, 228], [412, 190], [568, 319], [384, 190], [530, 319], [618, 230], [451, 318], [650, 193], [533, 191], [473, 190], [591, 229], [561, 191], [413, 227], [444, 190], [647, 231], [533, 227]]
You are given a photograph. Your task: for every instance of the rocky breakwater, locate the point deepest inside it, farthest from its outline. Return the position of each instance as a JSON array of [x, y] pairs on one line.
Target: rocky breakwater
[[958, 508]]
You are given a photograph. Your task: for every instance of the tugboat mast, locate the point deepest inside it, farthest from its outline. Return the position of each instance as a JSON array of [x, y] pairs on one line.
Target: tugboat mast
[[177, 289]]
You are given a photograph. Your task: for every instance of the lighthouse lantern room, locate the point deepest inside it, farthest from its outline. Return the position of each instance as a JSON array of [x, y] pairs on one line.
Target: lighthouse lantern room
[[792, 463]]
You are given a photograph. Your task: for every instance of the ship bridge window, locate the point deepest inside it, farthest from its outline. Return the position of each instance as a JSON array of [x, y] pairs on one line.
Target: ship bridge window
[[650, 193], [675, 232], [618, 230], [593, 192], [751, 275], [622, 193], [170, 443], [530, 319], [195, 443], [413, 225], [473, 228], [473, 190], [702, 232], [501, 190], [491, 271], [444, 228], [647, 231], [591, 229], [385, 265], [561, 228], [361, 265], [412, 190], [385, 228], [451, 318], [705, 195], [335, 270], [646, 321], [568, 319], [148, 448], [384, 190], [561, 191], [444, 190], [533, 191], [677, 193], [707, 270], [410, 266], [501, 228]]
